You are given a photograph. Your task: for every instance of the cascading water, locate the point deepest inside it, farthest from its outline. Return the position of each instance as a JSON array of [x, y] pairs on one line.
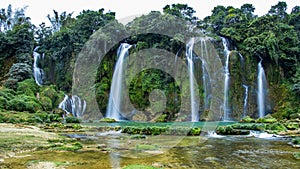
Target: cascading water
[[205, 78], [189, 56], [38, 73], [245, 100], [226, 116], [261, 92], [73, 105], [115, 95]]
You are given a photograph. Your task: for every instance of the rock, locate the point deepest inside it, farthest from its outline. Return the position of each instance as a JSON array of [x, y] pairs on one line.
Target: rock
[[267, 119], [17, 73], [210, 159], [247, 119], [157, 165], [292, 126], [228, 130], [107, 120]]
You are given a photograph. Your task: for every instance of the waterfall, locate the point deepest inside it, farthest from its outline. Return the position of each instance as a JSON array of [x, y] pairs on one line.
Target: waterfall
[[226, 81], [38, 73], [205, 78], [261, 93], [189, 56], [73, 105], [115, 95], [245, 100]]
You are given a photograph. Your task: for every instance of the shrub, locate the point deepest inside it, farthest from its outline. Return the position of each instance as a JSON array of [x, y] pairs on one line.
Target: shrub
[[72, 119], [27, 87], [3, 102], [46, 103]]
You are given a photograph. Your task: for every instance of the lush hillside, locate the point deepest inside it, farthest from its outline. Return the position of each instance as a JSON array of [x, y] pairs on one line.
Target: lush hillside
[[272, 39]]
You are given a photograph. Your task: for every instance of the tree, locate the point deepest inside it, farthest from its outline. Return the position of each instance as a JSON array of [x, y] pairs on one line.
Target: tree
[[60, 20], [182, 11], [279, 10]]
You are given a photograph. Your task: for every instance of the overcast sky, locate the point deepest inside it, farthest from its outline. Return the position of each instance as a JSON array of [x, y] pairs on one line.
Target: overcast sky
[[38, 9]]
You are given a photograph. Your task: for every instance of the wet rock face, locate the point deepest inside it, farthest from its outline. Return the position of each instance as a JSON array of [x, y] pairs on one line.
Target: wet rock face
[[17, 73]]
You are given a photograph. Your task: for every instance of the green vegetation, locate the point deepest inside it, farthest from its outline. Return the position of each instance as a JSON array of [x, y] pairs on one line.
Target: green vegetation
[[273, 38], [107, 120], [72, 119]]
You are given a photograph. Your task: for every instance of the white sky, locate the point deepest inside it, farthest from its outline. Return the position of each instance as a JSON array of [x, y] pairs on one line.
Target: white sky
[[38, 9]]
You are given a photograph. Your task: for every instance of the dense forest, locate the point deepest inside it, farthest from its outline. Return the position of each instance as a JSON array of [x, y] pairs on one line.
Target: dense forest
[[273, 39]]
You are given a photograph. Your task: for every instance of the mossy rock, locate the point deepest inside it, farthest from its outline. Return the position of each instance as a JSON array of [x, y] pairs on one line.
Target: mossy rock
[[247, 119], [146, 147], [46, 103], [229, 130], [276, 127], [292, 126], [138, 136], [296, 141], [195, 131], [59, 111], [267, 119], [138, 166], [53, 94], [161, 118], [107, 120], [72, 119], [294, 116], [297, 155]]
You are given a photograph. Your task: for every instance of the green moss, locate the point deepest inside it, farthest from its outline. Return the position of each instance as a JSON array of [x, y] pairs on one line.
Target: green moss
[[27, 87], [72, 119], [24, 103], [162, 118], [276, 126], [266, 119], [296, 140], [248, 119], [107, 120], [297, 155], [53, 94], [146, 147], [138, 166], [46, 103], [7, 93], [195, 131], [292, 126], [3, 102]]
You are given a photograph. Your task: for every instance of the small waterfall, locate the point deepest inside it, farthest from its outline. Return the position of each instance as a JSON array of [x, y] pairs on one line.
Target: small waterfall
[[189, 56], [73, 105], [245, 100], [226, 115], [38, 73], [115, 95], [262, 89]]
